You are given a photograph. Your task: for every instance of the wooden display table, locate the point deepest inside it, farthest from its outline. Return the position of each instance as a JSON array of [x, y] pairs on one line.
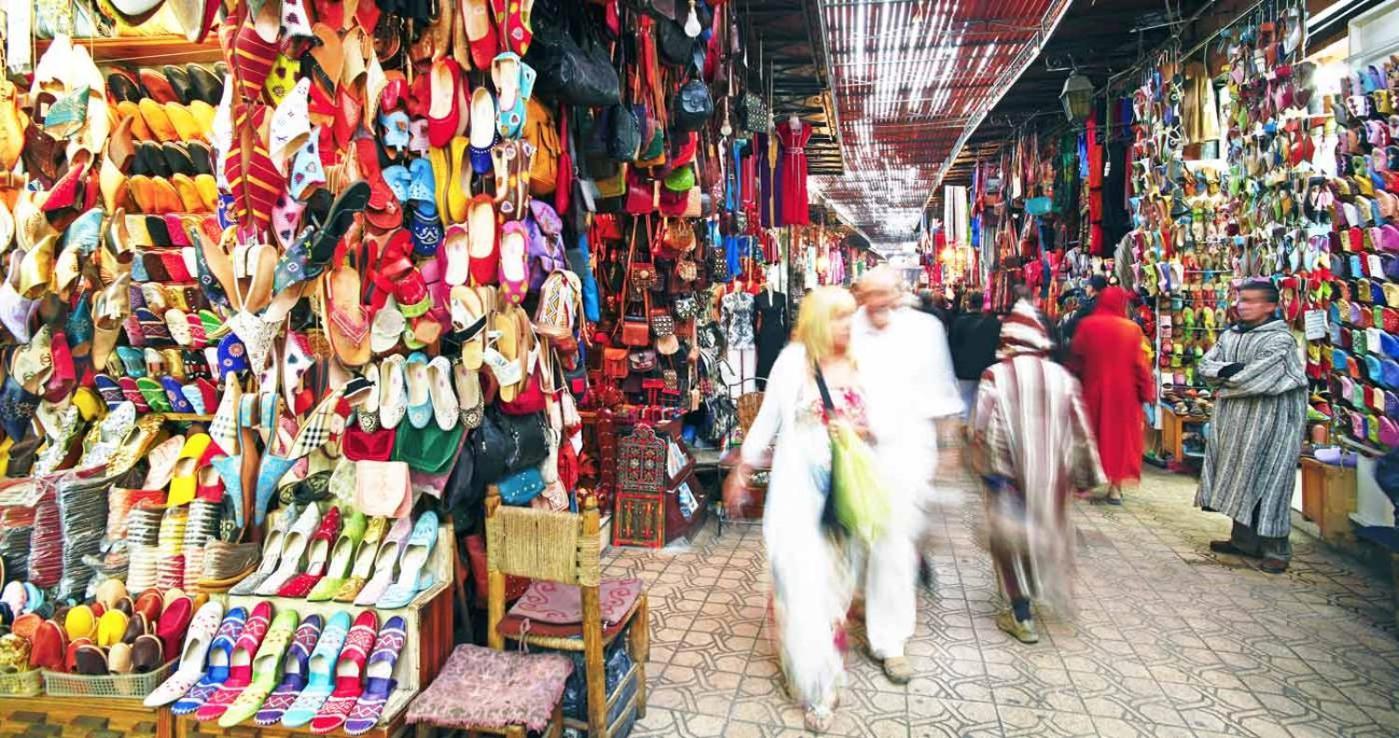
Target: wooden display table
[[1328, 498], [187, 727], [1173, 432], [81, 717]]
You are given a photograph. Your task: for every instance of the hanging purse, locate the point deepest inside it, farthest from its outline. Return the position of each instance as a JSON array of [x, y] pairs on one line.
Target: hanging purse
[[382, 488], [521, 487], [636, 331], [692, 106], [582, 76], [753, 114], [640, 362], [676, 48], [614, 363], [624, 134]]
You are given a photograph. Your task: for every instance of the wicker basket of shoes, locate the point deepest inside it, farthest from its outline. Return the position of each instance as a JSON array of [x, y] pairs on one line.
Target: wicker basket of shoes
[[121, 686], [21, 683]]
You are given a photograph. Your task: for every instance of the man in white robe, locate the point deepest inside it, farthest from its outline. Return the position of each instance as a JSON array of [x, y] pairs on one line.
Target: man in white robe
[[909, 384]]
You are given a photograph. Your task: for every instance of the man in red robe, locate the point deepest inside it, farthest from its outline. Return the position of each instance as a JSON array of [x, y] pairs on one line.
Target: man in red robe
[[1109, 356]]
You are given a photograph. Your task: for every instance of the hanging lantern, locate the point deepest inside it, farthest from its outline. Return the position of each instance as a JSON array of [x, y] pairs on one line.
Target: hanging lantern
[[1077, 98]]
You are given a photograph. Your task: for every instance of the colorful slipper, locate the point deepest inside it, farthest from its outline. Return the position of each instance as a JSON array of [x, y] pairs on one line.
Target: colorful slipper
[[349, 675], [220, 650], [198, 639], [267, 670], [318, 671], [240, 664], [294, 672], [379, 680]]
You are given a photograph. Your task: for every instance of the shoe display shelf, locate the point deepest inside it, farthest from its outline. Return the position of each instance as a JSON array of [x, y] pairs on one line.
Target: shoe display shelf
[[81, 717], [427, 622]]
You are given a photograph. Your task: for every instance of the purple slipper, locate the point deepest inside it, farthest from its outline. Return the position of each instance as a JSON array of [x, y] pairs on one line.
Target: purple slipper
[[379, 682], [294, 674], [220, 652]]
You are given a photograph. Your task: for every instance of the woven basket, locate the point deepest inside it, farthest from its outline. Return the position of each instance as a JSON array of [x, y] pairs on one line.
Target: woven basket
[[23, 684], [748, 405], [121, 686]]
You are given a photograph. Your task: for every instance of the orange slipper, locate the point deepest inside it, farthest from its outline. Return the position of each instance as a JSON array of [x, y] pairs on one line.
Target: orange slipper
[[186, 126], [139, 130], [167, 200], [141, 190], [190, 199]]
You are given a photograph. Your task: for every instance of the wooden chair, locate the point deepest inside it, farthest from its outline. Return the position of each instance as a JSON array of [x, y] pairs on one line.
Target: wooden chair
[[564, 548]]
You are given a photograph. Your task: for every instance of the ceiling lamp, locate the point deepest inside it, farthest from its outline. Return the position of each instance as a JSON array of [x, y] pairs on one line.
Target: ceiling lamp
[[1077, 98]]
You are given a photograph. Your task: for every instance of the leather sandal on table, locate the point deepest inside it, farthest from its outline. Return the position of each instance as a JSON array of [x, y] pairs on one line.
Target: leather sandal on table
[[364, 560], [413, 564]]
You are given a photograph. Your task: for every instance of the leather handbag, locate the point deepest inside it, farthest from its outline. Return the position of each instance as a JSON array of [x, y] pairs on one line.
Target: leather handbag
[[640, 362], [643, 195], [579, 75], [753, 114], [676, 48], [382, 488], [521, 487], [692, 106], [531, 440], [624, 134], [614, 363], [636, 331], [543, 133]]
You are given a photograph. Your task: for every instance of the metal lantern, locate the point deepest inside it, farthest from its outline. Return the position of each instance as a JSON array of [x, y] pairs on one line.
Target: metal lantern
[[1077, 98]]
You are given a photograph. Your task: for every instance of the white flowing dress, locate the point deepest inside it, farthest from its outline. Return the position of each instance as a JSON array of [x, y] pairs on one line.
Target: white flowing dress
[[811, 580]]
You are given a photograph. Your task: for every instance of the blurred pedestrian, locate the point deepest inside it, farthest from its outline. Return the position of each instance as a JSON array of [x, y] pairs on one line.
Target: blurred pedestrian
[[1033, 448], [811, 579], [973, 340], [1095, 287], [1255, 436], [908, 376], [1110, 361]]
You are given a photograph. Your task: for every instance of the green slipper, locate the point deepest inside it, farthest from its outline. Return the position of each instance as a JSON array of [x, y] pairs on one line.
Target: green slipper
[[342, 556], [267, 669]]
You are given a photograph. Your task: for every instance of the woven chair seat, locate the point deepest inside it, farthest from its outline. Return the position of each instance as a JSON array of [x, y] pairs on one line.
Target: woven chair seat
[[483, 688]]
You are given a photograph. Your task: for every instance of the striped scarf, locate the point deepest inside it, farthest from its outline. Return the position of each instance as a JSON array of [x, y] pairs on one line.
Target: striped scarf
[[1022, 333]]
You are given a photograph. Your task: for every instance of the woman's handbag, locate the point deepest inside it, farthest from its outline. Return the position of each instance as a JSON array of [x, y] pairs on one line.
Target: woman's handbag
[[521, 487], [582, 76], [692, 106], [856, 501]]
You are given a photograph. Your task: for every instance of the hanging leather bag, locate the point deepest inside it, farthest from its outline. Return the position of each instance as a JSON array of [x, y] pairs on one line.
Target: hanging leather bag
[[692, 106], [677, 49], [624, 134], [573, 73]]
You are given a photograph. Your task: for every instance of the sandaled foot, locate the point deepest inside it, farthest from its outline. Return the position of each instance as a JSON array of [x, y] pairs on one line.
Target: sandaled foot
[[1228, 547], [1273, 566], [1114, 496], [1021, 630], [898, 670], [818, 720]]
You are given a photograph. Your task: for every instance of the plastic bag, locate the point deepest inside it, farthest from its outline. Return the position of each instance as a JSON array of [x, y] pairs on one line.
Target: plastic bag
[[861, 501]]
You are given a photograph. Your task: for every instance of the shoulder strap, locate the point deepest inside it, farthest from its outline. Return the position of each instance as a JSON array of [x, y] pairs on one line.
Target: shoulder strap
[[821, 387]]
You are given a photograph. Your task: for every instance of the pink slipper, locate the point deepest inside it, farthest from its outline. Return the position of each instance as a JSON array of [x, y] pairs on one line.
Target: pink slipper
[[514, 272]]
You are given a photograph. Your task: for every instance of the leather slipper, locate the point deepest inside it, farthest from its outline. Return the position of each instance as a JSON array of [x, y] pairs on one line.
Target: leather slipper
[[147, 654]]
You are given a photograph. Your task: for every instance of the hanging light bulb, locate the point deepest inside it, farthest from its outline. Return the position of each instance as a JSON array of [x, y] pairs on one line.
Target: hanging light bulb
[[692, 24]]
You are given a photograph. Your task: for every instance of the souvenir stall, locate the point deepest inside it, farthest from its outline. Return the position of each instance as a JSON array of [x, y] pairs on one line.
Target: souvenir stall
[[290, 286]]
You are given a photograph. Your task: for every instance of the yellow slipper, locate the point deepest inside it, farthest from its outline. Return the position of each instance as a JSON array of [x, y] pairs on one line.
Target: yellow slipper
[[204, 116], [80, 622], [183, 479], [111, 627], [459, 182], [158, 121], [186, 125], [208, 189], [190, 199]]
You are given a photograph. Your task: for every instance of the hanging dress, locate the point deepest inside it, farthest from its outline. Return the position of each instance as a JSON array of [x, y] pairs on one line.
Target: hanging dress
[[772, 329], [791, 164]]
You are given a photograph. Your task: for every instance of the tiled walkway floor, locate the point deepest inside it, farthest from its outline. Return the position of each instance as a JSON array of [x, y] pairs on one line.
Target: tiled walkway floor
[[1167, 640]]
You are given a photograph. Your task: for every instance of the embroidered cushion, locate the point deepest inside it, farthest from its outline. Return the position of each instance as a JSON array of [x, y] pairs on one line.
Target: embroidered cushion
[[562, 604], [481, 687]]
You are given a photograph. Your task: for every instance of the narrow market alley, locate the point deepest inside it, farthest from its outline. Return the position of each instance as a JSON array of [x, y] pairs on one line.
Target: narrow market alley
[[1168, 639]]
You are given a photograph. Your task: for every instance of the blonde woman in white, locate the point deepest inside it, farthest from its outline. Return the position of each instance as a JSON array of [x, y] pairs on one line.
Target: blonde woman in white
[[811, 583]]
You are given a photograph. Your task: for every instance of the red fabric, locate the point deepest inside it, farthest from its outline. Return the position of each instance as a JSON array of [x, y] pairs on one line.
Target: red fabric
[[1110, 359], [791, 167]]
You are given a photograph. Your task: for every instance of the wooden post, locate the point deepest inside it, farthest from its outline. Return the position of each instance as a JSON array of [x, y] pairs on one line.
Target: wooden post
[[592, 639], [640, 637], [495, 592]]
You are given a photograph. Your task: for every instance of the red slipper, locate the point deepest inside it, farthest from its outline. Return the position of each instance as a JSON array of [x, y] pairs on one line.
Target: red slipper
[[443, 112]]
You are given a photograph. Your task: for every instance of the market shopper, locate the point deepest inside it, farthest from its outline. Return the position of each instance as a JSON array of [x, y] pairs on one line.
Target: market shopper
[[1033, 448], [972, 342], [811, 577], [908, 374], [1255, 436], [1095, 287], [1109, 356]]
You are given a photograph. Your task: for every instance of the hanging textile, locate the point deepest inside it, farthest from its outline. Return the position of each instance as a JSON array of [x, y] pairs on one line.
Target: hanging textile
[[792, 168]]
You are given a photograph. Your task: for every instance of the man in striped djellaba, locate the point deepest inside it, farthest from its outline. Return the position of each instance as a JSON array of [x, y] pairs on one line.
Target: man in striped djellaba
[[1255, 436]]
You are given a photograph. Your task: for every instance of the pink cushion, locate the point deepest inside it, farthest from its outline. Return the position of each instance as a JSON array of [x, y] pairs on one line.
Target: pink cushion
[[562, 604], [480, 687]]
